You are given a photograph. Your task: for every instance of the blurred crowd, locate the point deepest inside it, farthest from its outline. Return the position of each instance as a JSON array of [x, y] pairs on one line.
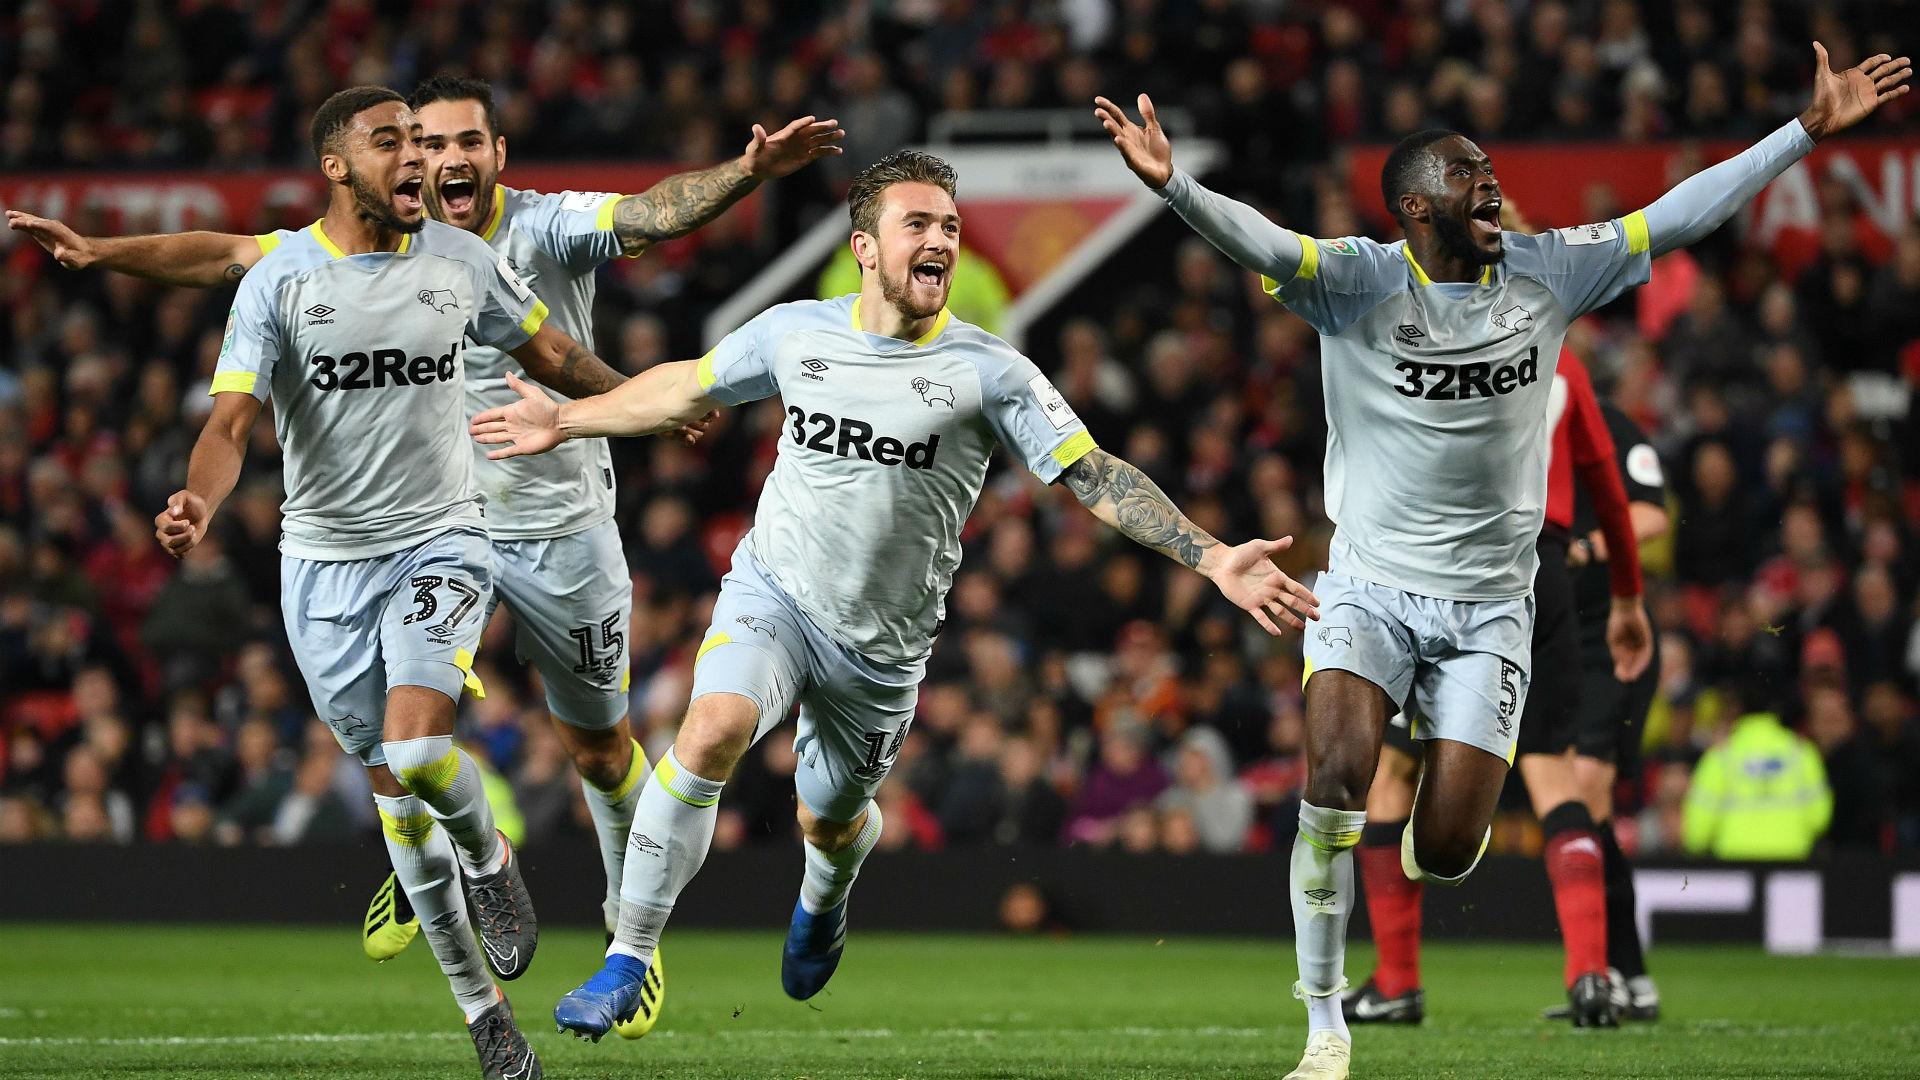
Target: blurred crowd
[[1084, 691]]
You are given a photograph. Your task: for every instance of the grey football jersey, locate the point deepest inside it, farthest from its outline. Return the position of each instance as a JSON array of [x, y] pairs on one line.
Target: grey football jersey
[[882, 456], [364, 358], [1437, 394], [554, 242]]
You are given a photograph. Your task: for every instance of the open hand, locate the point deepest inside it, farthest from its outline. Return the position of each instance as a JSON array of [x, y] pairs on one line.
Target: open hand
[[1246, 575], [1146, 149], [792, 148], [1843, 99], [69, 248], [182, 524], [528, 426]]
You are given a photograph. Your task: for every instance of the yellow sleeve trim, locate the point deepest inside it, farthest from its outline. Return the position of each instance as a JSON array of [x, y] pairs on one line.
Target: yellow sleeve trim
[[463, 660], [1637, 239], [713, 642], [535, 319], [233, 382], [1309, 258], [604, 219], [704, 372], [1073, 449], [267, 242]]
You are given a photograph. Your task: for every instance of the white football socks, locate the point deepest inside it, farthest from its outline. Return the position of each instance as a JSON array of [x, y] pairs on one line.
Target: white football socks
[[672, 829], [448, 782], [612, 812], [423, 860], [829, 874], [1321, 887]]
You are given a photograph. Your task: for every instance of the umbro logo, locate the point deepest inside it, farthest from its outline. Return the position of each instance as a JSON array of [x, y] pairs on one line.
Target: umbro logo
[[1410, 333], [815, 370], [318, 313], [1321, 897], [646, 844]]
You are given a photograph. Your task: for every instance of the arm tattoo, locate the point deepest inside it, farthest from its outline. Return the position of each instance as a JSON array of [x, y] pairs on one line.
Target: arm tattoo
[[582, 374], [679, 204], [1138, 507], [235, 272]]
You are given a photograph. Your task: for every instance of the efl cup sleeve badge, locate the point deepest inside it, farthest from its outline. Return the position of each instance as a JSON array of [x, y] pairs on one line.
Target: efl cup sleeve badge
[[1342, 246], [1600, 232], [226, 340], [1059, 413]]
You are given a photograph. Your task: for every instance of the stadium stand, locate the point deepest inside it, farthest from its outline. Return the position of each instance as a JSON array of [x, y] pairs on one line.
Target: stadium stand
[[1082, 691]]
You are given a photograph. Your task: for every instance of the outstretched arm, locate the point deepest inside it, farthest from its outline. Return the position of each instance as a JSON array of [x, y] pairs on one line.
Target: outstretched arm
[[1703, 202], [662, 398], [1122, 496], [193, 259], [682, 203], [211, 473], [1241, 233]]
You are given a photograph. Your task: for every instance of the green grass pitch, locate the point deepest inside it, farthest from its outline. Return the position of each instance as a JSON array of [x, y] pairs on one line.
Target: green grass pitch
[[158, 1001]]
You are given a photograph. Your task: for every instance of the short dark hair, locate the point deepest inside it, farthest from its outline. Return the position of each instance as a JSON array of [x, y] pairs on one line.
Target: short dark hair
[[899, 167], [458, 88], [1403, 164], [335, 115]]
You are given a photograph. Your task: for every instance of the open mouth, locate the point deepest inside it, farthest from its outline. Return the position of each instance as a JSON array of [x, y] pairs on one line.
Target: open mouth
[[1486, 217], [407, 195], [457, 193], [932, 273]]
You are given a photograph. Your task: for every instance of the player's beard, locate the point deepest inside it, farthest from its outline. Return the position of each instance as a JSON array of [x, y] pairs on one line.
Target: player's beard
[[376, 206], [899, 293], [1456, 239]]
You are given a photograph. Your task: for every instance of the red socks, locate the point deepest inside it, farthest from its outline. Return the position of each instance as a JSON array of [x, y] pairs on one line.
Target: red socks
[[1576, 866], [1393, 907]]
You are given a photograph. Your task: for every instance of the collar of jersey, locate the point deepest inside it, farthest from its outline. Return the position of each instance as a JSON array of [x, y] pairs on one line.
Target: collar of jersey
[[326, 242], [499, 209], [1420, 272], [940, 322]]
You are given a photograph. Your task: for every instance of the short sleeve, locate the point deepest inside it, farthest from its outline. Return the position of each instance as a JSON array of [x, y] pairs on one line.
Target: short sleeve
[[506, 313], [1339, 280], [1640, 466], [574, 227], [740, 368], [1032, 420], [251, 346], [1586, 266]]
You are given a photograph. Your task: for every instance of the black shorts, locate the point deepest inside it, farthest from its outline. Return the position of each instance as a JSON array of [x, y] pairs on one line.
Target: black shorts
[[1548, 723], [1613, 714]]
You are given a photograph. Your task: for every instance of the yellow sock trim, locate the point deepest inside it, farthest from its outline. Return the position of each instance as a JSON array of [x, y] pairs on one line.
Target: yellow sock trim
[[665, 773], [407, 831], [1341, 842], [434, 777], [636, 771]]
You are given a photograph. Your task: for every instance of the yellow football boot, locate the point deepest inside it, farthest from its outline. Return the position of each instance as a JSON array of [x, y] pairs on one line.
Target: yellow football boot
[[391, 924], [653, 995]]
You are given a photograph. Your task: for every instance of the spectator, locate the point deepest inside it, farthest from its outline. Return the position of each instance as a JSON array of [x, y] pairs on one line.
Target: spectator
[[1125, 778], [1206, 795], [1761, 795]]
